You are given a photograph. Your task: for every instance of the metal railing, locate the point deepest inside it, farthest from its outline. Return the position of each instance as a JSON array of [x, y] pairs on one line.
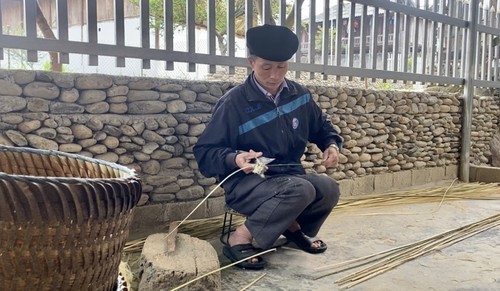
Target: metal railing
[[331, 38], [441, 42]]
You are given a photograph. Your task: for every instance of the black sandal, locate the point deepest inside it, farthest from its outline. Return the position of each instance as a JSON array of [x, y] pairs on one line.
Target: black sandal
[[304, 242], [239, 252]]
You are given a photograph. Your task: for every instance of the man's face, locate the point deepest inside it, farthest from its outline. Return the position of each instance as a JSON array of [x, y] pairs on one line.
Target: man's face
[[269, 74]]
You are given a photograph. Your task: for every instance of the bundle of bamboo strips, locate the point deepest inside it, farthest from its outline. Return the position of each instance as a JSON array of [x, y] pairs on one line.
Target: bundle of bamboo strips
[[210, 227], [204, 229], [384, 261], [432, 194]]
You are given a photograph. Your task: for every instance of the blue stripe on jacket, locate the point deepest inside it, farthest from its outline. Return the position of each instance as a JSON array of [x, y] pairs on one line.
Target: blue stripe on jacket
[[273, 114]]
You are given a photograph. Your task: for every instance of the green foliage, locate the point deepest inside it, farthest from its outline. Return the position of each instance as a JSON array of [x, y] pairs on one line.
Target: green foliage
[[47, 66], [156, 16], [155, 12], [409, 64], [385, 86], [179, 13], [319, 37]]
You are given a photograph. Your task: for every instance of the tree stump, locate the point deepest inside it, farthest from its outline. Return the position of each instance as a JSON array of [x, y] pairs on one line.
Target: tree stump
[[164, 270]]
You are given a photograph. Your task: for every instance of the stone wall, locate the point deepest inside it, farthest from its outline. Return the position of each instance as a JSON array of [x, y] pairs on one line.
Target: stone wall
[[151, 125], [485, 124]]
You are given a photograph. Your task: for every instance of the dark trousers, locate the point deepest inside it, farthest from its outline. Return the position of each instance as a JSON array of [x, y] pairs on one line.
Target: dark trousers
[[307, 199]]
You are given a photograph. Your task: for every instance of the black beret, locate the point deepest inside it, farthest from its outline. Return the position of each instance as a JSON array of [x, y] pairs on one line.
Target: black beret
[[272, 42]]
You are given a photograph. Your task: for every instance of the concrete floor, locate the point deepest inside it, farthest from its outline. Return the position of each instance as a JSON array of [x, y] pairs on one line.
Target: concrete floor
[[472, 264]]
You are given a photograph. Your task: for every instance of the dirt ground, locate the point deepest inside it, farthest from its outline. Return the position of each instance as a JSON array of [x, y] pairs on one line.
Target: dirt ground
[[471, 264]]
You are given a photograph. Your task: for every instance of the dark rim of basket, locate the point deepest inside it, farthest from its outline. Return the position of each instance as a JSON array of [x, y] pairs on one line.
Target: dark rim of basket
[[130, 173]]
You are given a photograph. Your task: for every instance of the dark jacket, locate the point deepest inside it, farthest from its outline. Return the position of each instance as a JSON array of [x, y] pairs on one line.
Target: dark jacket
[[245, 119]]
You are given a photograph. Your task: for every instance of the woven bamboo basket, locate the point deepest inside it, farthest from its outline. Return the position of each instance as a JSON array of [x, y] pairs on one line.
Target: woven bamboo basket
[[64, 220]]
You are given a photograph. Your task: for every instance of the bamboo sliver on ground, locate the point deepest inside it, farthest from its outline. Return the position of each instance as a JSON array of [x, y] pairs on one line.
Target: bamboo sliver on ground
[[432, 194], [421, 248], [421, 201], [390, 259], [211, 227]]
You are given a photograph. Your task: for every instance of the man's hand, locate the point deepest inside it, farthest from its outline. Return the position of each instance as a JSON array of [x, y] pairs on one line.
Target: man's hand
[[330, 157], [243, 160]]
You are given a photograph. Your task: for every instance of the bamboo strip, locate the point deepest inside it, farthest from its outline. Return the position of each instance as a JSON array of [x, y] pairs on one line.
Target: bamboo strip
[[432, 241], [207, 228], [203, 200], [390, 258], [253, 282], [411, 251], [222, 268]]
